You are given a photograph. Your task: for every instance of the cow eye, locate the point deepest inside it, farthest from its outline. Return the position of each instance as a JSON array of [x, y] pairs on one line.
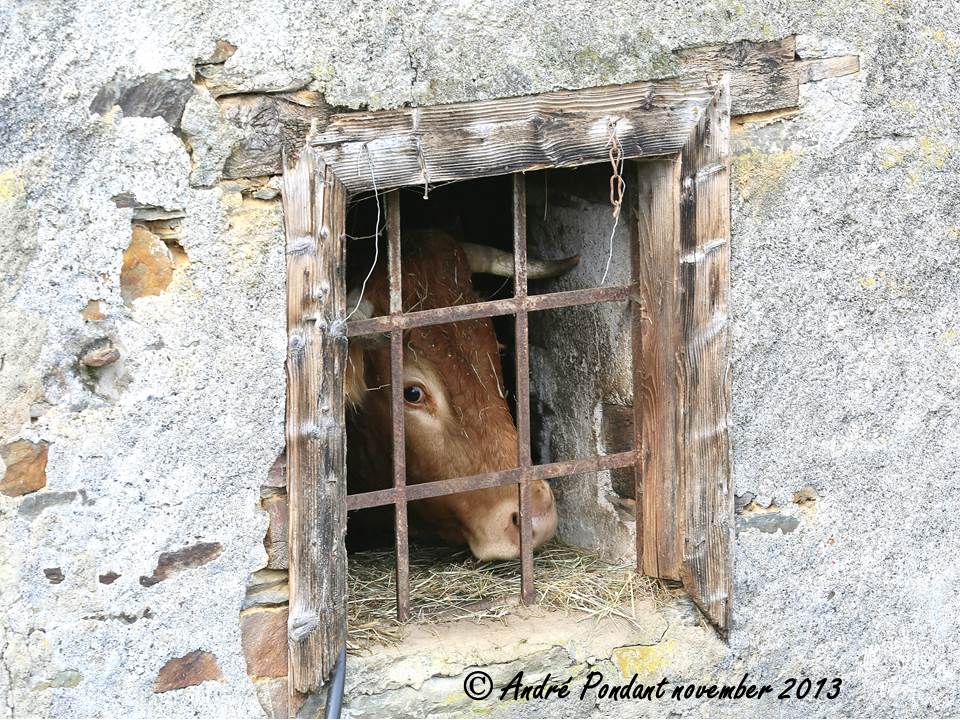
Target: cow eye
[[414, 394]]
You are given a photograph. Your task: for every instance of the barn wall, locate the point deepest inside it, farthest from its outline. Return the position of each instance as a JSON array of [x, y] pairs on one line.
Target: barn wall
[[141, 409]]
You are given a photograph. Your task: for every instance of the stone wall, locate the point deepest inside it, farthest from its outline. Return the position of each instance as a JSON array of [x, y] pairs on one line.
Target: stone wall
[[142, 330]]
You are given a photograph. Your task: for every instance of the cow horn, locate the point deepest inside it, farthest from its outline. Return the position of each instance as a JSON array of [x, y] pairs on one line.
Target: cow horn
[[485, 259], [358, 309]]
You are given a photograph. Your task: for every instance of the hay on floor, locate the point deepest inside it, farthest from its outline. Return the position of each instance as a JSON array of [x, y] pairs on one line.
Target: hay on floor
[[450, 585]]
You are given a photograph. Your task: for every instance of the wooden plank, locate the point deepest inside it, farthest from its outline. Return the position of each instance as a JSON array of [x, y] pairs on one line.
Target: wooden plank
[[271, 125], [655, 388], [830, 67], [763, 75], [414, 146], [644, 534], [314, 207], [703, 364]]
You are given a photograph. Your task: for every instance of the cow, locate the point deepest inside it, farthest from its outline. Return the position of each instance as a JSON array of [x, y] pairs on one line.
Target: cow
[[456, 415]]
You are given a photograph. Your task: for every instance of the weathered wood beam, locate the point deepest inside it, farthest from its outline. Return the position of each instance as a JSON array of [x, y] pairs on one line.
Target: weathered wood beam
[[314, 210], [272, 125], [655, 394], [703, 363], [763, 75], [415, 146]]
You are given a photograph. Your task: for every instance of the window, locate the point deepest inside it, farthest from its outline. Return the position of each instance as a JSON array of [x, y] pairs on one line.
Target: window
[[676, 131]]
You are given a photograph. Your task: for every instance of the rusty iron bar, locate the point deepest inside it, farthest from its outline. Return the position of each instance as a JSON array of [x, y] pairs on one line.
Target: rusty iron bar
[[522, 355], [436, 488], [396, 410], [490, 308], [636, 347]]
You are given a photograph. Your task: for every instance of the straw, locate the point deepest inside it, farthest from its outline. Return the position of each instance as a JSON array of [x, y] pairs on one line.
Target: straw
[[448, 585]]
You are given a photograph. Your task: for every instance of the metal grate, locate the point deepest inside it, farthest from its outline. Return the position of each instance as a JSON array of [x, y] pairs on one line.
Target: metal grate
[[520, 305]]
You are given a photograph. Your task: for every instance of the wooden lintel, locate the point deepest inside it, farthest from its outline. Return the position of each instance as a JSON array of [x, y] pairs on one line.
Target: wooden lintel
[[566, 128]]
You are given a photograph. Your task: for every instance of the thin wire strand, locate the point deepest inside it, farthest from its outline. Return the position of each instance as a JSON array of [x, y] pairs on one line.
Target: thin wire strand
[[545, 196], [616, 221], [376, 234]]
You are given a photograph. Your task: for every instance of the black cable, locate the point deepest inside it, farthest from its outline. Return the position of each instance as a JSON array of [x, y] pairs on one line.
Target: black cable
[[335, 694]]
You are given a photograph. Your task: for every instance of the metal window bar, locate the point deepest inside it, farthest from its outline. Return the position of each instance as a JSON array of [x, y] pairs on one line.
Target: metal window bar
[[520, 305]]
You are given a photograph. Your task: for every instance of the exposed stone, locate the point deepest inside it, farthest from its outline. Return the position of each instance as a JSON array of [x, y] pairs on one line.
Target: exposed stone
[[275, 541], [191, 669], [272, 694], [124, 200], [54, 575], [263, 635], [221, 79], [171, 563], [147, 266], [63, 679], [37, 410], [33, 505], [277, 475], [221, 53], [267, 587], [107, 578], [805, 496], [156, 95], [26, 464], [92, 311], [767, 522], [211, 138], [148, 214], [103, 353], [266, 193], [741, 502], [124, 617], [167, 229]]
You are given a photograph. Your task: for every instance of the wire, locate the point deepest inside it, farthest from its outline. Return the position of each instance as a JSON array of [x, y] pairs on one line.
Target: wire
[[376, 234]]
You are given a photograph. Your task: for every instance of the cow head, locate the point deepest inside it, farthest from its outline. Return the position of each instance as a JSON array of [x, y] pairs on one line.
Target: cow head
[[457, 418]]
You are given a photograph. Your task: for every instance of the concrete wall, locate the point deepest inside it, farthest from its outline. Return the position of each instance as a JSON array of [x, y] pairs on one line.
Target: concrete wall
[[159, 422], [580, 357]]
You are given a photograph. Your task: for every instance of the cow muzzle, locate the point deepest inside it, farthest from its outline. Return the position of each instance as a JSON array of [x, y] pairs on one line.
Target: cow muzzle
[[501, 538]]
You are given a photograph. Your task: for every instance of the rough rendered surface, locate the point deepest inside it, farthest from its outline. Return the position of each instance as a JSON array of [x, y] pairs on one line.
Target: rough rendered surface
[[846, 240]]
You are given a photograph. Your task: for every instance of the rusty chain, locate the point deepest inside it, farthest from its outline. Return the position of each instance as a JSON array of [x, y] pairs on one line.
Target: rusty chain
[[617, 184]]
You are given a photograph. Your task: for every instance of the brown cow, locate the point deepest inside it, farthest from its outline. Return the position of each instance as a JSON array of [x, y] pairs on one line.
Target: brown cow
[[457, 418]]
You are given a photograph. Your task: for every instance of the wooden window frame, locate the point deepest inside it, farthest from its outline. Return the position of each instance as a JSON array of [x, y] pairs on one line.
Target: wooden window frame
[[679, 129]]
